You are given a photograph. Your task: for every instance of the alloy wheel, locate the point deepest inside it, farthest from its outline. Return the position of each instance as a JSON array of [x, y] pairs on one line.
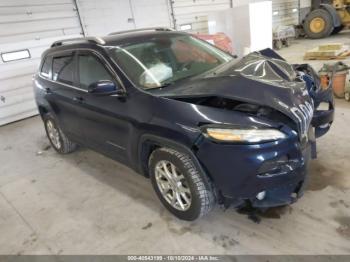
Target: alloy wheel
[[53, 133], [173, 185]]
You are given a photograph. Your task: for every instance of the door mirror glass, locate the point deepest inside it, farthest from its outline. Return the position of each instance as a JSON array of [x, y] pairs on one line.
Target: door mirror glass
[[104, 87]]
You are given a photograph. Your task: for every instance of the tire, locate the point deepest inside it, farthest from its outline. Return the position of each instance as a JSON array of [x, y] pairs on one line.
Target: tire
[[318, 17], [287, 42], [198, 186], [61, 144], [278, 44], [336, 30]]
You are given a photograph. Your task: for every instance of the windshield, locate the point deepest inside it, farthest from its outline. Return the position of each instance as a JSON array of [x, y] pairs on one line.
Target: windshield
[[163, 60]]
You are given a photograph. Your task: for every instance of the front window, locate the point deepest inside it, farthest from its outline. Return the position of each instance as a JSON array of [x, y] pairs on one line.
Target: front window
[[164, 60], [91, 71], [63, 69]]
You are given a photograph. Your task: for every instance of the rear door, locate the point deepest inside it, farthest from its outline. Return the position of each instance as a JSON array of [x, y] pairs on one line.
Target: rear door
[[63, 93]]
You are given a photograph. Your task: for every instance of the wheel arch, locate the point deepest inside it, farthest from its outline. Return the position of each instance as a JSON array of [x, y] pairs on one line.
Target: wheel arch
[[148, 143], [42, 110], [45, 108]]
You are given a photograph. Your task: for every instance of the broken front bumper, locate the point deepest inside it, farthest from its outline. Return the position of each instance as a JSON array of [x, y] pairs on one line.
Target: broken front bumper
[[241, 172], [323, 117]]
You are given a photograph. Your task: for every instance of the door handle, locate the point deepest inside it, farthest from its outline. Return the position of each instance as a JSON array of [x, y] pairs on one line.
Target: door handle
[[78, 99], [48, 90]]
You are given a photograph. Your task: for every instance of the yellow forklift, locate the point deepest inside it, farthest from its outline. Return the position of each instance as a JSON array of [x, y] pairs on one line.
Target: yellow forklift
[[327, 17]]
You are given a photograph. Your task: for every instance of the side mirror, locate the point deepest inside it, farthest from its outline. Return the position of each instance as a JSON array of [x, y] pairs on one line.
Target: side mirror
[[105, 87]]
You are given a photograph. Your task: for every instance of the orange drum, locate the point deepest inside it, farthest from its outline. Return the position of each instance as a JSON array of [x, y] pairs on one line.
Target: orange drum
[[324, 81], [338, 78], [339, 82]]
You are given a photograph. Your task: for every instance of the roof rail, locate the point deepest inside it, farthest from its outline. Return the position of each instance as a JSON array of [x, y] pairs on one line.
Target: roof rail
[[90, 39], [142, 29]]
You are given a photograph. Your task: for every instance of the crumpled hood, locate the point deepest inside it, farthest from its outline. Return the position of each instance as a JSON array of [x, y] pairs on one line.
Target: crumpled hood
[[256, 79]]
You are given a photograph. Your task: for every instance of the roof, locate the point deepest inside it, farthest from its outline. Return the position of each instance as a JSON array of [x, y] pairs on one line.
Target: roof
[[118, 38], [131, 37]]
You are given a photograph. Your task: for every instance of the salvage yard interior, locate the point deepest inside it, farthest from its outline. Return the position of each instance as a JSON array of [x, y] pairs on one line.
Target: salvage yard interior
[[86, 203]]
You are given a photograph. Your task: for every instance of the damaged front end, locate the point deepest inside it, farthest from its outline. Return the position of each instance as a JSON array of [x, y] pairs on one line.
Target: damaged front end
[[323, 99], [261, 91]]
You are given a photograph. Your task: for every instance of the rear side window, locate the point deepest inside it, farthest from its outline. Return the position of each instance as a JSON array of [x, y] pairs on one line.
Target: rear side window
[[63, 69], [46, 68], [91, 70]]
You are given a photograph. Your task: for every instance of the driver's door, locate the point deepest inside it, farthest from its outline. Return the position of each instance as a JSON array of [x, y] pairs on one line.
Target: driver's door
[[105, 128]]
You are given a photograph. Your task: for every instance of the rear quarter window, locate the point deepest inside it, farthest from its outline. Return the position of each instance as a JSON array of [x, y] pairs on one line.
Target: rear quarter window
[[46, 68]]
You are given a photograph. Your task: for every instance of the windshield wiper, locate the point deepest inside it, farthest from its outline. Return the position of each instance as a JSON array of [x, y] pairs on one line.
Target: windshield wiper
[[166, 84], [161, 86], [170, 83]]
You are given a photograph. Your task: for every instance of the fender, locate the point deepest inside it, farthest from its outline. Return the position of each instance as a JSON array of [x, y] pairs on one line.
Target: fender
[[164, 142], [335, 17]]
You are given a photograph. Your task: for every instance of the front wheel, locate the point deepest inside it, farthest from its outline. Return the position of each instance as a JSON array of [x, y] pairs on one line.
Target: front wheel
[[59, 141], [183, 189]]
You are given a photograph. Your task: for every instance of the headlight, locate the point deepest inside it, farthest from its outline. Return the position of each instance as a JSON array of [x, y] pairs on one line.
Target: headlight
[[244, 135]]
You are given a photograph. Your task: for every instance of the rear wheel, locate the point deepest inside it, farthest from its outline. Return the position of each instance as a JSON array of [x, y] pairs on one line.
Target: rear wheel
[[59, 141], [318, 24], [180, 186]]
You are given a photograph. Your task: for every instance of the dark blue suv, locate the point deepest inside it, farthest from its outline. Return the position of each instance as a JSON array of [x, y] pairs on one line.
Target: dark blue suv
[[204, 126]]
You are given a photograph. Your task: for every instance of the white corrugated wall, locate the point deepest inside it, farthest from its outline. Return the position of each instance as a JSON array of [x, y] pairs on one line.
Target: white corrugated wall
[[105, 16], [305, 8], [195, 13], [151, 13], [31, 25], [285, 12]]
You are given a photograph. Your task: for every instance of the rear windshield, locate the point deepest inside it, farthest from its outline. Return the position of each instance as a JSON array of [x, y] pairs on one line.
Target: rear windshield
[[164, 60]]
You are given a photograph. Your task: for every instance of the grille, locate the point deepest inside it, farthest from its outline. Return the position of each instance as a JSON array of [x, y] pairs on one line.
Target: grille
[[303, 114]]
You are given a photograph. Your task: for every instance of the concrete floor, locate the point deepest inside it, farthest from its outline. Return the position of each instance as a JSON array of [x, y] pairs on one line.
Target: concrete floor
[[84, 203]]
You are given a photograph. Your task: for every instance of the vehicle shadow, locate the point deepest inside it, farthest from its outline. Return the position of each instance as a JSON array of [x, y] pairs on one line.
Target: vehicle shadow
[[227, 230], [115, 175], [139, 188]]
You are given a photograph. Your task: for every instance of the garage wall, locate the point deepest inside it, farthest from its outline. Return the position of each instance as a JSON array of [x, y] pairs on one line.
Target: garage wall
[[151, 13], [31, 26], [105, 16], [305, 8], [285, 12], [194, 14]]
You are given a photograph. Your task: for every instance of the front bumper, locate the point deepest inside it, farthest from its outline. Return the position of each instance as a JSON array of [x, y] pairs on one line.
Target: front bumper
[[240, 172], [323, 118]]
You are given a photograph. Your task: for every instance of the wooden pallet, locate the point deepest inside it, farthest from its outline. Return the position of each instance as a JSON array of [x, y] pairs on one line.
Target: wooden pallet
[[341, 56]]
